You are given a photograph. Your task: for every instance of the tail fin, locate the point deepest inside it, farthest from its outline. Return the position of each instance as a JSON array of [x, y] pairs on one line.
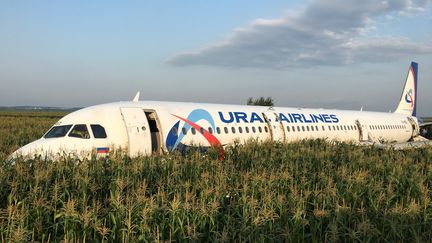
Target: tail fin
[[408, 101]]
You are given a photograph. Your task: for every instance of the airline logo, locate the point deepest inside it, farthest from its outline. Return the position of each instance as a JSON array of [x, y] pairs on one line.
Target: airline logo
[[242, 117], [176, 135], [409, 97]]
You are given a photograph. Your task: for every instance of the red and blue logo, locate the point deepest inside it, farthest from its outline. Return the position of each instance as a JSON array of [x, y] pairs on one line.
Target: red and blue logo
[[409, 97], [176, 134]]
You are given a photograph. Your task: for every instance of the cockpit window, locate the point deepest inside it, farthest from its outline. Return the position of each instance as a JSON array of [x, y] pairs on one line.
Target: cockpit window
[[58, 131], [98, 131], [80, 131]]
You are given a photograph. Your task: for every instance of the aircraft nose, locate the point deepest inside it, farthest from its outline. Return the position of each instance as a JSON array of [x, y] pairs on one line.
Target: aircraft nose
[[28, 150]]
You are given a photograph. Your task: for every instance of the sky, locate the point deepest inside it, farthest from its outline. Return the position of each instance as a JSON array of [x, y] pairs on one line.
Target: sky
[[343, 54]]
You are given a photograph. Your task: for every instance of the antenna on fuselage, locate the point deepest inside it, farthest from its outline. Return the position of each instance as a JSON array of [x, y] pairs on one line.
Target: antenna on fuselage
[[136, 98], [361, 109]]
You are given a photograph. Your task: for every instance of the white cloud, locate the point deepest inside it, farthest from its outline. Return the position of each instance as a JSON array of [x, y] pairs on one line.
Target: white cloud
[[326, 32]]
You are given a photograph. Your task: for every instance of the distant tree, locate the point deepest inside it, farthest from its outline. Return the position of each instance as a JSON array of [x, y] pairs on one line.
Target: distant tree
[[260, 101]]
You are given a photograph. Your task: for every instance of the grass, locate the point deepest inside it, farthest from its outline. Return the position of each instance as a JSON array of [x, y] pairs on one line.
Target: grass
[[306, 191]]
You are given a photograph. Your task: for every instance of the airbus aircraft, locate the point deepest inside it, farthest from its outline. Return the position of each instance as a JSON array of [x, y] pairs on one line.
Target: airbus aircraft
[[147, 127]]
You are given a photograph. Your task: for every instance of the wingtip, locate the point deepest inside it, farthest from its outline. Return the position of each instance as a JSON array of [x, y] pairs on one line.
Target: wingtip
[[136, 98]]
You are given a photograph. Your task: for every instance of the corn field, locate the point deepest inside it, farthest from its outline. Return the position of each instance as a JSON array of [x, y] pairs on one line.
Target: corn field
[[310, 191]]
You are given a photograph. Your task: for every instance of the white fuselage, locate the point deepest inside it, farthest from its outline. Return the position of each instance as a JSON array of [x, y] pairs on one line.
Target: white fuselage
[[146, 127]]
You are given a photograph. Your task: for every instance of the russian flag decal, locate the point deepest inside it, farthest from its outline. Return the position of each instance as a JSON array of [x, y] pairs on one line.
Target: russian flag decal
[[104, 150]]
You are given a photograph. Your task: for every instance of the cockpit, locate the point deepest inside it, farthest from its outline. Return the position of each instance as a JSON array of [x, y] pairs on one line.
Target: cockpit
[[97, 129], [78, 131]]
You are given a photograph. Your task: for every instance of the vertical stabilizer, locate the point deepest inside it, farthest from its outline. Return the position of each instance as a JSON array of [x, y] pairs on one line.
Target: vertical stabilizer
[[408, 101]]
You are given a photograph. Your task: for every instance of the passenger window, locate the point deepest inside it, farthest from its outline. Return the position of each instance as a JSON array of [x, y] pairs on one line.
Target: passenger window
[[233, 129], [210, 130], [288, 129], [253, 129], [247, 129], [193, 131], [329, 127], [240, 130], [260, 129], [226, 130], [174, 131], [323, 128], [218, 130], [307, 128], [79, 131], [316, 128], [298, 128], [303, 129], [265, 129], [201, 130], [293, 128], [184, 131]]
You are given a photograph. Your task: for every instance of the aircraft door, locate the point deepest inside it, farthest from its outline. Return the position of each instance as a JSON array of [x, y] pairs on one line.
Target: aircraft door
[[277, 131], [414, 126], [155, 131], [363, 131], [139, 138]]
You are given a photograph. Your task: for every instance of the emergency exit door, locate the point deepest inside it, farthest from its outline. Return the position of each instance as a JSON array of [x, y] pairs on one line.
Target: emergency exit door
[[363, 130], [137, 127], [276, 127]]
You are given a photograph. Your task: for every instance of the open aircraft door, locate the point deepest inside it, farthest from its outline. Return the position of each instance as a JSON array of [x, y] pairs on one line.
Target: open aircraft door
[[363, 131], [139, 137], [276, 127], [414, 126]]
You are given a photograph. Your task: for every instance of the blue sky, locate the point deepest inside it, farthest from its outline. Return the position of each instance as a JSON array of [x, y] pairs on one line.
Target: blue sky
[[315, 53]]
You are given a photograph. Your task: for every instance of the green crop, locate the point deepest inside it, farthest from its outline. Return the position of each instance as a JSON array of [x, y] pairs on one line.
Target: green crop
[[306, 191]]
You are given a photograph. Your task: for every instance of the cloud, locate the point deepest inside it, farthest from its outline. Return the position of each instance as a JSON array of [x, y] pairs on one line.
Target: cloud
[[326, 32]]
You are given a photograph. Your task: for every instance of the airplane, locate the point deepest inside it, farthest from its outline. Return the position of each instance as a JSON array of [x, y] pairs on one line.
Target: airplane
[[154, 127]]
